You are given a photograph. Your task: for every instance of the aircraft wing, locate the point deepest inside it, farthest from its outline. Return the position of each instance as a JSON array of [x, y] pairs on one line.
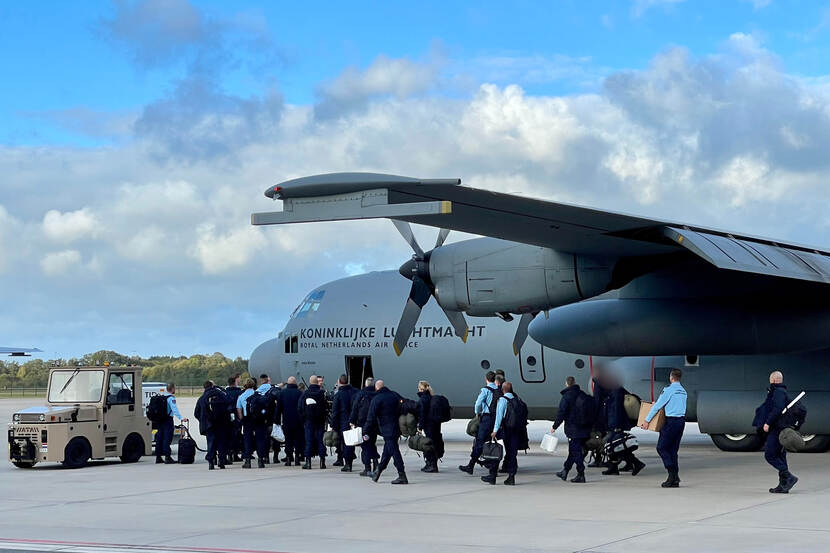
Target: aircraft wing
[[18, 352], [444, 203]]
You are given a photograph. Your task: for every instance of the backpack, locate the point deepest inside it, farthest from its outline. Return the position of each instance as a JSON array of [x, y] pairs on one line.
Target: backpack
[[408, 407], [584, 410], [494, 401], [157, 409], [439, 409], [362, 400], [217, 407], [314, 411], [794, 417], [516, 415], [259, 409]]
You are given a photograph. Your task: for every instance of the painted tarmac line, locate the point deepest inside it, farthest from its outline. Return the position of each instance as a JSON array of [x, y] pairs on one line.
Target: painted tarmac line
[[95, 547]]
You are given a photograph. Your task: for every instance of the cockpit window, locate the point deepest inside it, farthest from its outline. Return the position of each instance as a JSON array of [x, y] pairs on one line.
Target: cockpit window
[[310, 304]]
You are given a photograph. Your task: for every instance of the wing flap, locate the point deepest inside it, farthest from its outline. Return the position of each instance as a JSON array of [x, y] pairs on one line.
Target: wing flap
[[753, 256]]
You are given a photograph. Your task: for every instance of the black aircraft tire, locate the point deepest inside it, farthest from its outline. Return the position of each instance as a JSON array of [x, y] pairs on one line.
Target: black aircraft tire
[[745, 442], [77, 453], [818, 443], [23, 464], [133, 449]]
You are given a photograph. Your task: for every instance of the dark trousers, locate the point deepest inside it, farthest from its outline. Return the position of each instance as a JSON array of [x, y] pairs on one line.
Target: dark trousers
[[483, 436], [369, 450], [234, 437], [575, 454], [293, 441], [314, 440], [256, 437], [164, 437], [391, 451], [217, 444], [433, 432], [774, 452], [511, 451], [669, 441]]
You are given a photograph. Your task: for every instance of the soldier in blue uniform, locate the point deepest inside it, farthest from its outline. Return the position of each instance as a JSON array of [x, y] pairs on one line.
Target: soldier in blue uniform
[[673, 400], [767, 418], [341, 411], [360, 411], [485, 409], [383, 418], [164, 436], [571, 412]]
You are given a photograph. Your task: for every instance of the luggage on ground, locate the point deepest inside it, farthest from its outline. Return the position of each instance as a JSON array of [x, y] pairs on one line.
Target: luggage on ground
[[622, 443]]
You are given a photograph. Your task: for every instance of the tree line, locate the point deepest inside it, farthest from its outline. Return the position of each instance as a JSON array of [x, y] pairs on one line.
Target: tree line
[[184, 371]]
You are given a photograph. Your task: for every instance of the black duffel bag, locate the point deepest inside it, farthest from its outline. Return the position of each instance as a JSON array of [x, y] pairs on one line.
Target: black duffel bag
[[187, 450], [492, 451]]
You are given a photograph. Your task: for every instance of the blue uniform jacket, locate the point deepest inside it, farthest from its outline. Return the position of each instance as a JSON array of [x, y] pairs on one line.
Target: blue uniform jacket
[[567, 413], [673, 399], [424, 420], [770, 410], [617, 417], [314, 391], [287, 413], [354, 417], [383, 414], [341, 407]]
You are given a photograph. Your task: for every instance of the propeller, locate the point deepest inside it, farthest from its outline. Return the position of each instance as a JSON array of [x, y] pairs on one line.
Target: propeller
[[417, 270], [521, 331]]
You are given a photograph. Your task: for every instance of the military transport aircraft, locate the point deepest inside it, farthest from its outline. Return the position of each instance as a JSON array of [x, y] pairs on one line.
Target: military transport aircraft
[[729, 306]]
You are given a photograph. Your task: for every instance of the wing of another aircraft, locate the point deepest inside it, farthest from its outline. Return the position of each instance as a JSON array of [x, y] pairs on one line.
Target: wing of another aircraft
[[18, 352], [445, 204]]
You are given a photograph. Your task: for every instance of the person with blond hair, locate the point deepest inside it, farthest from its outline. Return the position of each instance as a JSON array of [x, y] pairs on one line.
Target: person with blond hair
[[430, 427]]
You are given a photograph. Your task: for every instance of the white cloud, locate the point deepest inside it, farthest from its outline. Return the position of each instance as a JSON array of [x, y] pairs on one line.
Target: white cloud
[[218, 253], [58, 263], [70, 226]]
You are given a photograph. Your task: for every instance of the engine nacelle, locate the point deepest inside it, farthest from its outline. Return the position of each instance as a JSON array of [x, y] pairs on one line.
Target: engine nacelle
[[485, 276]]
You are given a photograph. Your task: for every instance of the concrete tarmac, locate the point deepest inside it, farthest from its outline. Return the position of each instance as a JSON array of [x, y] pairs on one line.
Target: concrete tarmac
[[723, 506]]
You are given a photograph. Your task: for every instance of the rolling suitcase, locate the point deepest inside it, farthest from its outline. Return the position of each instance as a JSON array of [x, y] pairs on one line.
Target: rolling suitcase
[[187, 448]]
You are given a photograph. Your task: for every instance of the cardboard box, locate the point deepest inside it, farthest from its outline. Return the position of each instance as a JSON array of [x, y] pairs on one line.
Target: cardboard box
[[657, 422]]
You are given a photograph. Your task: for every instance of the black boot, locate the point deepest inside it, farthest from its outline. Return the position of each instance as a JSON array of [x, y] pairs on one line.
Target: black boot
[[159, 460], [579, 478], [169, 461], [210, 465], [376, 474], [401, 479], [297, 461], [790, 480], [367, 470], [563, 474], [246, 464], [338, 463], [260, 462], [288, 461], [221, 463], [468, 468], [307, 464], [511, 480], [227, 461], [347, 467], [669, 483], [612, 469], [628, 467], [489, 479], [322, 462], [431, 467], [638, 466]]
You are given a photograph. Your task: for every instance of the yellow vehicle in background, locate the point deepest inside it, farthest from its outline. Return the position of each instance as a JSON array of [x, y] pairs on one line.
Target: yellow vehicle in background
[[90, 413]]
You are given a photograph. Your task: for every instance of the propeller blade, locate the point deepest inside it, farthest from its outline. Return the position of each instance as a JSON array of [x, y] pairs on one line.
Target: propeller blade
[[406, 231], [418, 297], [459, 323], [442, 235], [521, 332]]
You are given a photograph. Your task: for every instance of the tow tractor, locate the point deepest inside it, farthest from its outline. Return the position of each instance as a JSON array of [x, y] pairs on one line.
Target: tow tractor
[[90, 413]]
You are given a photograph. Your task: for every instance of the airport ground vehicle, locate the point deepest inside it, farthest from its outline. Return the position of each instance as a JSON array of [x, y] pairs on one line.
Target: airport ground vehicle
[[90, 413]]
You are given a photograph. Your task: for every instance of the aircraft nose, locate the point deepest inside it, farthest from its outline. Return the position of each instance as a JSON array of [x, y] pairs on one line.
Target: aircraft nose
[[408, 269]]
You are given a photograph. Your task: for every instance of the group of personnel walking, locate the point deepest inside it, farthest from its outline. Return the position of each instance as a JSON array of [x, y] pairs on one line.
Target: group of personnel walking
[[239, 421]]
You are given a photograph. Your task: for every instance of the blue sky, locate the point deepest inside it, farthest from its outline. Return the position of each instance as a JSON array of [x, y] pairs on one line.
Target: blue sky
[[137, 136]]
